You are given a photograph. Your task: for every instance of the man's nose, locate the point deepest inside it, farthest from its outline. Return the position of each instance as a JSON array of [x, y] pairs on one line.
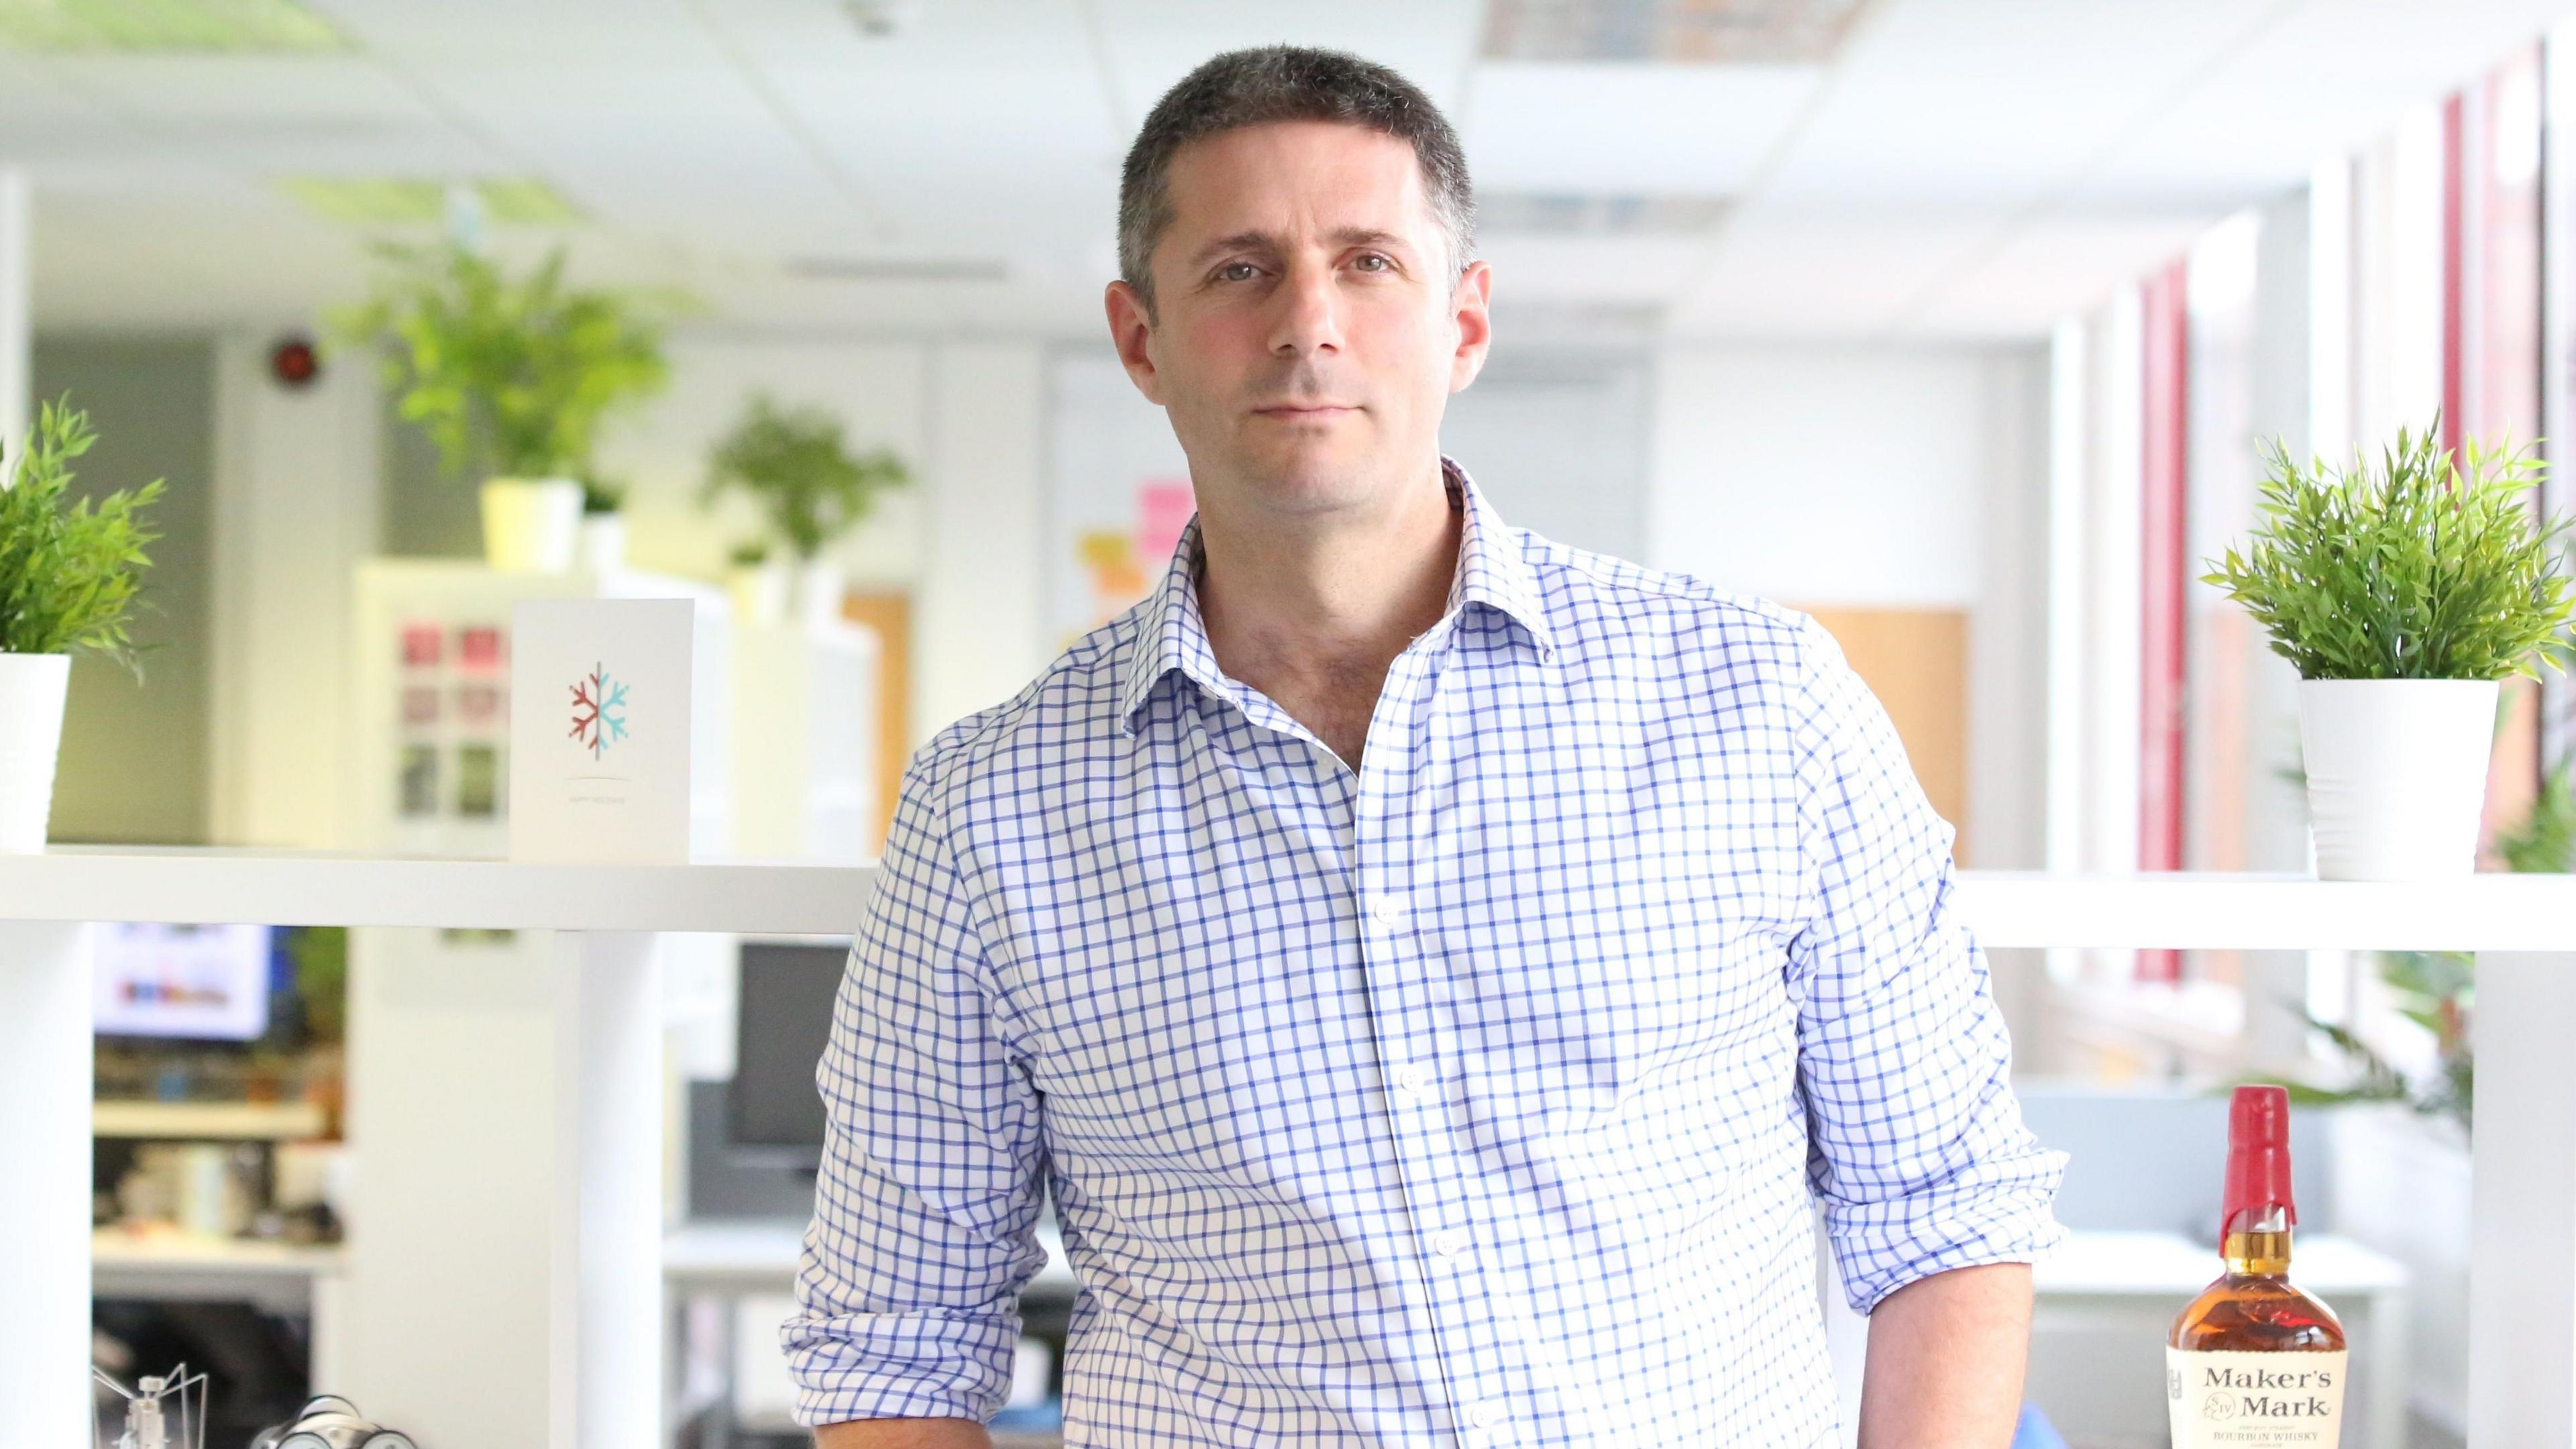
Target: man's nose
[[1308, 314]]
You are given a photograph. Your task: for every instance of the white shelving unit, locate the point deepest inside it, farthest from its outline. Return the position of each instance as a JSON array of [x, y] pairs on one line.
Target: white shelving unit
[[601, 1373]]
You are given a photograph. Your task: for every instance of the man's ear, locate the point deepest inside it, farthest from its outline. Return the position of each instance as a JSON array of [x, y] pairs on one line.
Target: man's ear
[[1131, 331], [1470, 309]]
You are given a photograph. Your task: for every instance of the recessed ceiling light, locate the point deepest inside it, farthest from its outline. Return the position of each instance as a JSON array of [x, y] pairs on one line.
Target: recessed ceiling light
[[1515, 213], [897, 269], [1688, 31], [412, 201], [166, 27], [878, 19]]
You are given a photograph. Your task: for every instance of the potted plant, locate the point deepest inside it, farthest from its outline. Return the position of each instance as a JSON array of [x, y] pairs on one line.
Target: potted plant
[[68, 576], [510, 377], [795, 466], [2404, 593]]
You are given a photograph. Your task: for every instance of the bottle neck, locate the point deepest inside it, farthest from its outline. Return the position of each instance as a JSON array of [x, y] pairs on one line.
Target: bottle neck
[[2258, 1245]]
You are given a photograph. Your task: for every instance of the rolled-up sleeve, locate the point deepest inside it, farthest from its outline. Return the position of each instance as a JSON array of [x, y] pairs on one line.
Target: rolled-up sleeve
[[1917, 1150], [925, 1209]]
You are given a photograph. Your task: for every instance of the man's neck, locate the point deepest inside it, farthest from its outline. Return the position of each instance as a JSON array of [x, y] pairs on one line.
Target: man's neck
[[1313, 618]]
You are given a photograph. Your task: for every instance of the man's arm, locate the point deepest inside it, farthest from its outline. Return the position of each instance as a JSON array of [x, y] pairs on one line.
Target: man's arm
[[1935, 1196], [903, 1434], [926, 1207], [1945, 1361]]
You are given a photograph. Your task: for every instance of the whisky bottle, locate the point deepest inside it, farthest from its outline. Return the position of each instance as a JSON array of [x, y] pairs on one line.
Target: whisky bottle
[[2256, 1361]]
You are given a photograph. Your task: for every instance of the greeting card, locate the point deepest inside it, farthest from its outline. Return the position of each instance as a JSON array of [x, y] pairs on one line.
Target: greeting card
[[599, 730]]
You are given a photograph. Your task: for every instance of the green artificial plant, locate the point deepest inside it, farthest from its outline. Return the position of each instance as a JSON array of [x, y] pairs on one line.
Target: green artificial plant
[[795, 466], [510, 376], [69, 571], [2416, 568]]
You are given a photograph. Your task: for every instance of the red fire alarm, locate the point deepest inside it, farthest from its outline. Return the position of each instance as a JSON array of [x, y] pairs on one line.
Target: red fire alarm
[[294, 362]]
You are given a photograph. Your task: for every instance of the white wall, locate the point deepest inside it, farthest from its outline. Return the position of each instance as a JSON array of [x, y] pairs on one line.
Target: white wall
[[17, 315], [979, 630], [297, 498], [1824, 475], [969, 419], [1877, 477]]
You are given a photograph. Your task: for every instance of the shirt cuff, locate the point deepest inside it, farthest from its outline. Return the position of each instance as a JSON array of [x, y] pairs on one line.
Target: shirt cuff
[[1963, 1223], [899, 1366]]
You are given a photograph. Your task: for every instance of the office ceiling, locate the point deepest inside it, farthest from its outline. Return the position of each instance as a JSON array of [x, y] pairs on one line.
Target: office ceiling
[[1893, 170]]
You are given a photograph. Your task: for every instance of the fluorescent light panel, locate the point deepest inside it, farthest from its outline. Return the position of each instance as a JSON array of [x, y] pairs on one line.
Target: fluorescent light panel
[[1684, 31], [1525, 213], [166, 27], [411, 201]]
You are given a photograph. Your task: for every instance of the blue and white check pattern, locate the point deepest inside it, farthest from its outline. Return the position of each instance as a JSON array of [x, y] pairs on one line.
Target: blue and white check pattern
[[1473, 1098]]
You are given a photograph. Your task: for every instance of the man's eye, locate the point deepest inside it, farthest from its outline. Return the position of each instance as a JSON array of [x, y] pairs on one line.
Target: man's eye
[[1385, 261], [1236, 271]]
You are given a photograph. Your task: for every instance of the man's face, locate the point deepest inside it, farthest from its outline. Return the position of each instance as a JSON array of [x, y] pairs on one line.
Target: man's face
[[1307, 334]]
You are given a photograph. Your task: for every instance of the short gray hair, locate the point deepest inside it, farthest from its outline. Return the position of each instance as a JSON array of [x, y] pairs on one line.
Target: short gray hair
[[1286, 83]]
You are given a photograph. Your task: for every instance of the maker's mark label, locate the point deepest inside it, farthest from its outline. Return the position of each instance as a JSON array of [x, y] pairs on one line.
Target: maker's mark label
[[2255, 1400]]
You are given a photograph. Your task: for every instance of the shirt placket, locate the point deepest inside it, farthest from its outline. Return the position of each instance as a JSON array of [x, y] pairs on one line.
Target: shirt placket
[[1413, 1005]]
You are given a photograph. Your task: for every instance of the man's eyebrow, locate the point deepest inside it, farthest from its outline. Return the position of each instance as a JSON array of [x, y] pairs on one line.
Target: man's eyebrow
[[1349, 236]]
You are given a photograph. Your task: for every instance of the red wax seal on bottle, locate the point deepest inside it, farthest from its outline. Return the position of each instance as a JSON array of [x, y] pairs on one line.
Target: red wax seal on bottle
[[2258, 1158]]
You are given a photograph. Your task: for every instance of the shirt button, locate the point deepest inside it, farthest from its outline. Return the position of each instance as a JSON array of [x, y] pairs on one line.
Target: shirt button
[[1387, 909], [1413, 1077], [1449, 1243], [1485, 1415]]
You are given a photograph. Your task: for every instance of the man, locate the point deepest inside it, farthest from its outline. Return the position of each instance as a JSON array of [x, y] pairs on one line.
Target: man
[[1432, 967]]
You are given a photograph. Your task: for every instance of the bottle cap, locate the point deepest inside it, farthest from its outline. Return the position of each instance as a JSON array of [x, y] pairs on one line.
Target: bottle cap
[[2258, 1158]]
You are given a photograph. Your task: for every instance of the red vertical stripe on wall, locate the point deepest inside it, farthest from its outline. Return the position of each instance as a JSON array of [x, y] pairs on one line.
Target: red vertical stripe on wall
[[2162, 492], [2454, 255]]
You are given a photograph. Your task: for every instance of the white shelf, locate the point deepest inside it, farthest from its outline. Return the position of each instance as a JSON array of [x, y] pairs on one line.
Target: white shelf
[[319, 889], [2182, 909], [2193, 909], [224, 1121]]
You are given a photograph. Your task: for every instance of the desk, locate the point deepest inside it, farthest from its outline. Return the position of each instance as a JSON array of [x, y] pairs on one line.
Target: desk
[[752, 1255], [174, 1267]]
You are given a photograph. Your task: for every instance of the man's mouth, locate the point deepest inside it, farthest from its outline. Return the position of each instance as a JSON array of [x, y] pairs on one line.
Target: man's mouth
[[1305, 410]]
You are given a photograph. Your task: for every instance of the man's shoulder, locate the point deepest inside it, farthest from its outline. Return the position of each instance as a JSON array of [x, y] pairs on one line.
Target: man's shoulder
[[1071, 705], [1607, 608]]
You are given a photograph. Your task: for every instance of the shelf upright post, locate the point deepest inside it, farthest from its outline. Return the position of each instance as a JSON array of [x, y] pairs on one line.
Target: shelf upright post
[[2522, 1194], [45, 1068], [607, 1262]]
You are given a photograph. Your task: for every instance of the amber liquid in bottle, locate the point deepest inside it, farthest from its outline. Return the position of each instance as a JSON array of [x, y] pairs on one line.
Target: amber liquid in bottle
[[2256, 1360]]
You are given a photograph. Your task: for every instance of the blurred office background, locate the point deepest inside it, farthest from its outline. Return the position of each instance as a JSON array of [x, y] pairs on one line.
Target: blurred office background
[[1956, 322]]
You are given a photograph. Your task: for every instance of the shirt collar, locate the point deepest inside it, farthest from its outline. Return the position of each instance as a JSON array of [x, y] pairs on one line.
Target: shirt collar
[[1492, 571]]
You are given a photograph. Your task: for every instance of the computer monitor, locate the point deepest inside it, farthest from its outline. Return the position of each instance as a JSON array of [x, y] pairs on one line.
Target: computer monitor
[[201, 983], [783, 1017]]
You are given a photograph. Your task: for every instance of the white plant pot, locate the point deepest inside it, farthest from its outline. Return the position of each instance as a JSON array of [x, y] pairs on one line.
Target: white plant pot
[[603, 542], [759, 592], [32, 689], [818, 592], [532, 524], [2397, 774]]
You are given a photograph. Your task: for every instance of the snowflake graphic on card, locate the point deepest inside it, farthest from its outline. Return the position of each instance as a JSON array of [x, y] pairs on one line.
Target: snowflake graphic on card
[[598, 711]]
